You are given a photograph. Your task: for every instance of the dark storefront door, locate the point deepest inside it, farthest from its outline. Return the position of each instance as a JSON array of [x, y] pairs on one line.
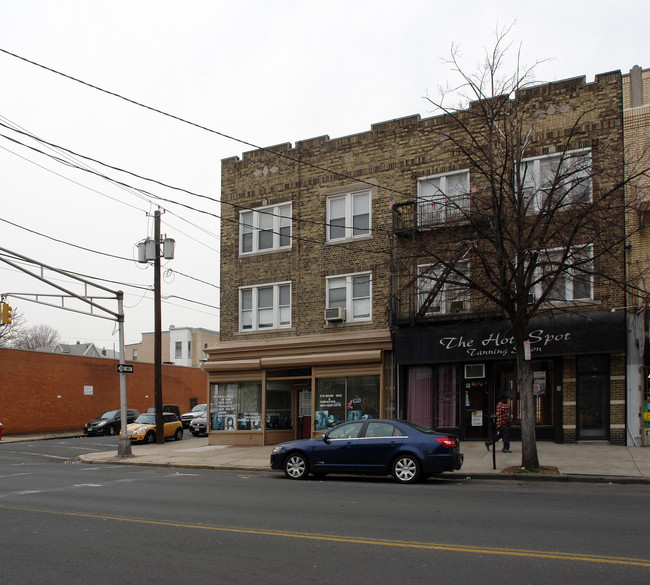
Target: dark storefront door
[[476, 413], [593, 397]]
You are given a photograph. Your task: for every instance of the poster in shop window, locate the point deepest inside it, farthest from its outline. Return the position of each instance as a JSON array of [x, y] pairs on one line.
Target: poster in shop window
[[330, 410], [539, 383]]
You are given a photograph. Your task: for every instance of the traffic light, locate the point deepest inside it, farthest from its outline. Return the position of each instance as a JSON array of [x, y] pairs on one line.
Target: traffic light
[[7, 314]]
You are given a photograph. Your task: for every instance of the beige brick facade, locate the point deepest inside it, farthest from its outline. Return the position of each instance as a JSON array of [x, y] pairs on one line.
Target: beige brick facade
[[387, 161]]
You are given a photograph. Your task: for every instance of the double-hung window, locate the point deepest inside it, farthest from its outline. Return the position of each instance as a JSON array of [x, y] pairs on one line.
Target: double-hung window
[[351, 292], [443, 291], [348, 216], [567, 278], [266, 306], [443, 198], [557, 180], [265, 229]]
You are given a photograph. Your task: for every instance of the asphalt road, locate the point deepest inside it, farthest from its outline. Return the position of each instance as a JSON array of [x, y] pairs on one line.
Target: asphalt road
[[64, 523]]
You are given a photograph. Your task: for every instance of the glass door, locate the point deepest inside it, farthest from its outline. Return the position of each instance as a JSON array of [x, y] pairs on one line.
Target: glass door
[[593, 397]]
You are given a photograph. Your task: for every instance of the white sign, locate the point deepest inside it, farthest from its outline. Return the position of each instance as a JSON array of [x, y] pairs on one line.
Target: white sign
[[477, 418], [88, 390]]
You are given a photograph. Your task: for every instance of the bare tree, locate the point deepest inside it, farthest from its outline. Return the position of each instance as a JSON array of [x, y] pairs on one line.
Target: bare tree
[[544, 206], [35, 337]]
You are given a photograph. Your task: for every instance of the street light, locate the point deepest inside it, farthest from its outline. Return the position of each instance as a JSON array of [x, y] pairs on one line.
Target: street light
[[149, 251]]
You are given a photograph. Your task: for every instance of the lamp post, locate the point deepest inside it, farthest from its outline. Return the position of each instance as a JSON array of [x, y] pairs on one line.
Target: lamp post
[[149, 251]]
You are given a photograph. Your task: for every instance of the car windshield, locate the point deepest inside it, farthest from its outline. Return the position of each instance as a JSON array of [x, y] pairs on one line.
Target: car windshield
[[109, 414], [200, 408], [146, 419]]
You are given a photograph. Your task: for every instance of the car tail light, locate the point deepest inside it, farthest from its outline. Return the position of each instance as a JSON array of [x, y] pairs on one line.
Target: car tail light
[[447, 441]]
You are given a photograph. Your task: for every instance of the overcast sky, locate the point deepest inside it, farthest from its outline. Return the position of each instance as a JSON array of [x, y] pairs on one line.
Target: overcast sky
[[260, 71]]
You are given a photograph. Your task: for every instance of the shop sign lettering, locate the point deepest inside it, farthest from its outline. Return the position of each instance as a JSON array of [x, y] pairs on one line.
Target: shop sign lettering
[[501, 345]]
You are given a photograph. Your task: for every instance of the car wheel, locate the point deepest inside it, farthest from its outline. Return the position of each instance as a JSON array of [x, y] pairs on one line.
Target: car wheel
[[406, 469], [296, 466], [150, 438], [178, 435]]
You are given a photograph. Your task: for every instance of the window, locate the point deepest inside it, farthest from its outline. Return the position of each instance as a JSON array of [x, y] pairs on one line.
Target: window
[[265, 229], [451, 297], [351, 292], [557, 180], [265, 307], [236, 406], [352, 398], [348, 216], [443, 198], [135, 355], [573, 275], [178, 350]]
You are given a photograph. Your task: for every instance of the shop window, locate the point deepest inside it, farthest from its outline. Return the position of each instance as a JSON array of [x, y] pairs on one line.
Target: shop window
[[433, 396], [345, 398], [236, 406]]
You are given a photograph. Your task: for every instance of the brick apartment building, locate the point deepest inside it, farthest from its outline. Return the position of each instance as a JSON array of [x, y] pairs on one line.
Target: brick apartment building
[[321, 300]]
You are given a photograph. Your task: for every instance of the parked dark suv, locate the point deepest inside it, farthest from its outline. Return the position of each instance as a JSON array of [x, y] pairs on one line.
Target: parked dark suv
[[168, 408], [110, 422]]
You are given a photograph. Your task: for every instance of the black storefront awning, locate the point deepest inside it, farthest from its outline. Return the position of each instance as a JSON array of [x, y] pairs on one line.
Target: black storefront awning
[[570, 334]]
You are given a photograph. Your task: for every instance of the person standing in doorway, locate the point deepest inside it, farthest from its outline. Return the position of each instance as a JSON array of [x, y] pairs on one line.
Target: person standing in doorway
[[503, 424]]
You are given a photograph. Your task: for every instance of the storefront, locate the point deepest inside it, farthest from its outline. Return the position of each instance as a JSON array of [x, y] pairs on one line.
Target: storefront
[[452, 376], [267, 391]]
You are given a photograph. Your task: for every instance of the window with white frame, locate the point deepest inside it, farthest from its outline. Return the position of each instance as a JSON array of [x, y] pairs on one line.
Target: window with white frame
[[443, 198], [567, 278], [557, 180], [348, 216], [352, 292], [265, 229], [450, 293], [178, 350], [266, 306]]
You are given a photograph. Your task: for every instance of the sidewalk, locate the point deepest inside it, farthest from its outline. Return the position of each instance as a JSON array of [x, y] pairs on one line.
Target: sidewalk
[[596, 462]]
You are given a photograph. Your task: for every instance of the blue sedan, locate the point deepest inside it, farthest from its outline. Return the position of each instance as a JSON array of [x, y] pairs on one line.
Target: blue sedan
[[402, 449]]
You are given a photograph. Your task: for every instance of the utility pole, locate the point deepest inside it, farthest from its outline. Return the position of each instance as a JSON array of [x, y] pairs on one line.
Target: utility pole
[[149, 251], [157, 344]]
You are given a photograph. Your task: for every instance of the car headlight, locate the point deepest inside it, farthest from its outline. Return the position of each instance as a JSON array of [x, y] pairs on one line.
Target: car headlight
[[277, 449], [101, 423]]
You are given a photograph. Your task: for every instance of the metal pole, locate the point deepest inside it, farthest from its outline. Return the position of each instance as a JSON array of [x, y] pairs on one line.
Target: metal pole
[[123, 443], [160, 429]]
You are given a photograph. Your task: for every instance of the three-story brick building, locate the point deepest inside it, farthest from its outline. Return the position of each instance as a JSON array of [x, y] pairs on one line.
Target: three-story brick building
[[326, 316]]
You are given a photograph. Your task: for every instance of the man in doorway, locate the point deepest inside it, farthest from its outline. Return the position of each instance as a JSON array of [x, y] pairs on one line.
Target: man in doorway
[[503, 422]]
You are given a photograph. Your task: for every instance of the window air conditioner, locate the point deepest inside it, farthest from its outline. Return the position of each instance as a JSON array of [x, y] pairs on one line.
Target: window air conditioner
[[474, 371], [335, 314], [457, 306]]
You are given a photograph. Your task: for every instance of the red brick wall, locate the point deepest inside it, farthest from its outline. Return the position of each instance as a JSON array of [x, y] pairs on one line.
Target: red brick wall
[[42, 392]]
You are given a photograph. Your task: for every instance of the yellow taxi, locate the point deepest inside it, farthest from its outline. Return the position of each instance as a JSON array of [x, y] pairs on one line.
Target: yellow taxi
[[143, 430]]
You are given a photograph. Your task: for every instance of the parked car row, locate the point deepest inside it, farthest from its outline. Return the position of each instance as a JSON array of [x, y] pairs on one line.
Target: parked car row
[[196, 412]]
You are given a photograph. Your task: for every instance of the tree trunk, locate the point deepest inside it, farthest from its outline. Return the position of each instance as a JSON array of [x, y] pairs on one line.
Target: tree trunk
[[529, 458]]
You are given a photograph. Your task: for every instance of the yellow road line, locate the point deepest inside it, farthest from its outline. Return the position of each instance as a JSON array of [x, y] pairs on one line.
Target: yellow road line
[[458, 548]]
